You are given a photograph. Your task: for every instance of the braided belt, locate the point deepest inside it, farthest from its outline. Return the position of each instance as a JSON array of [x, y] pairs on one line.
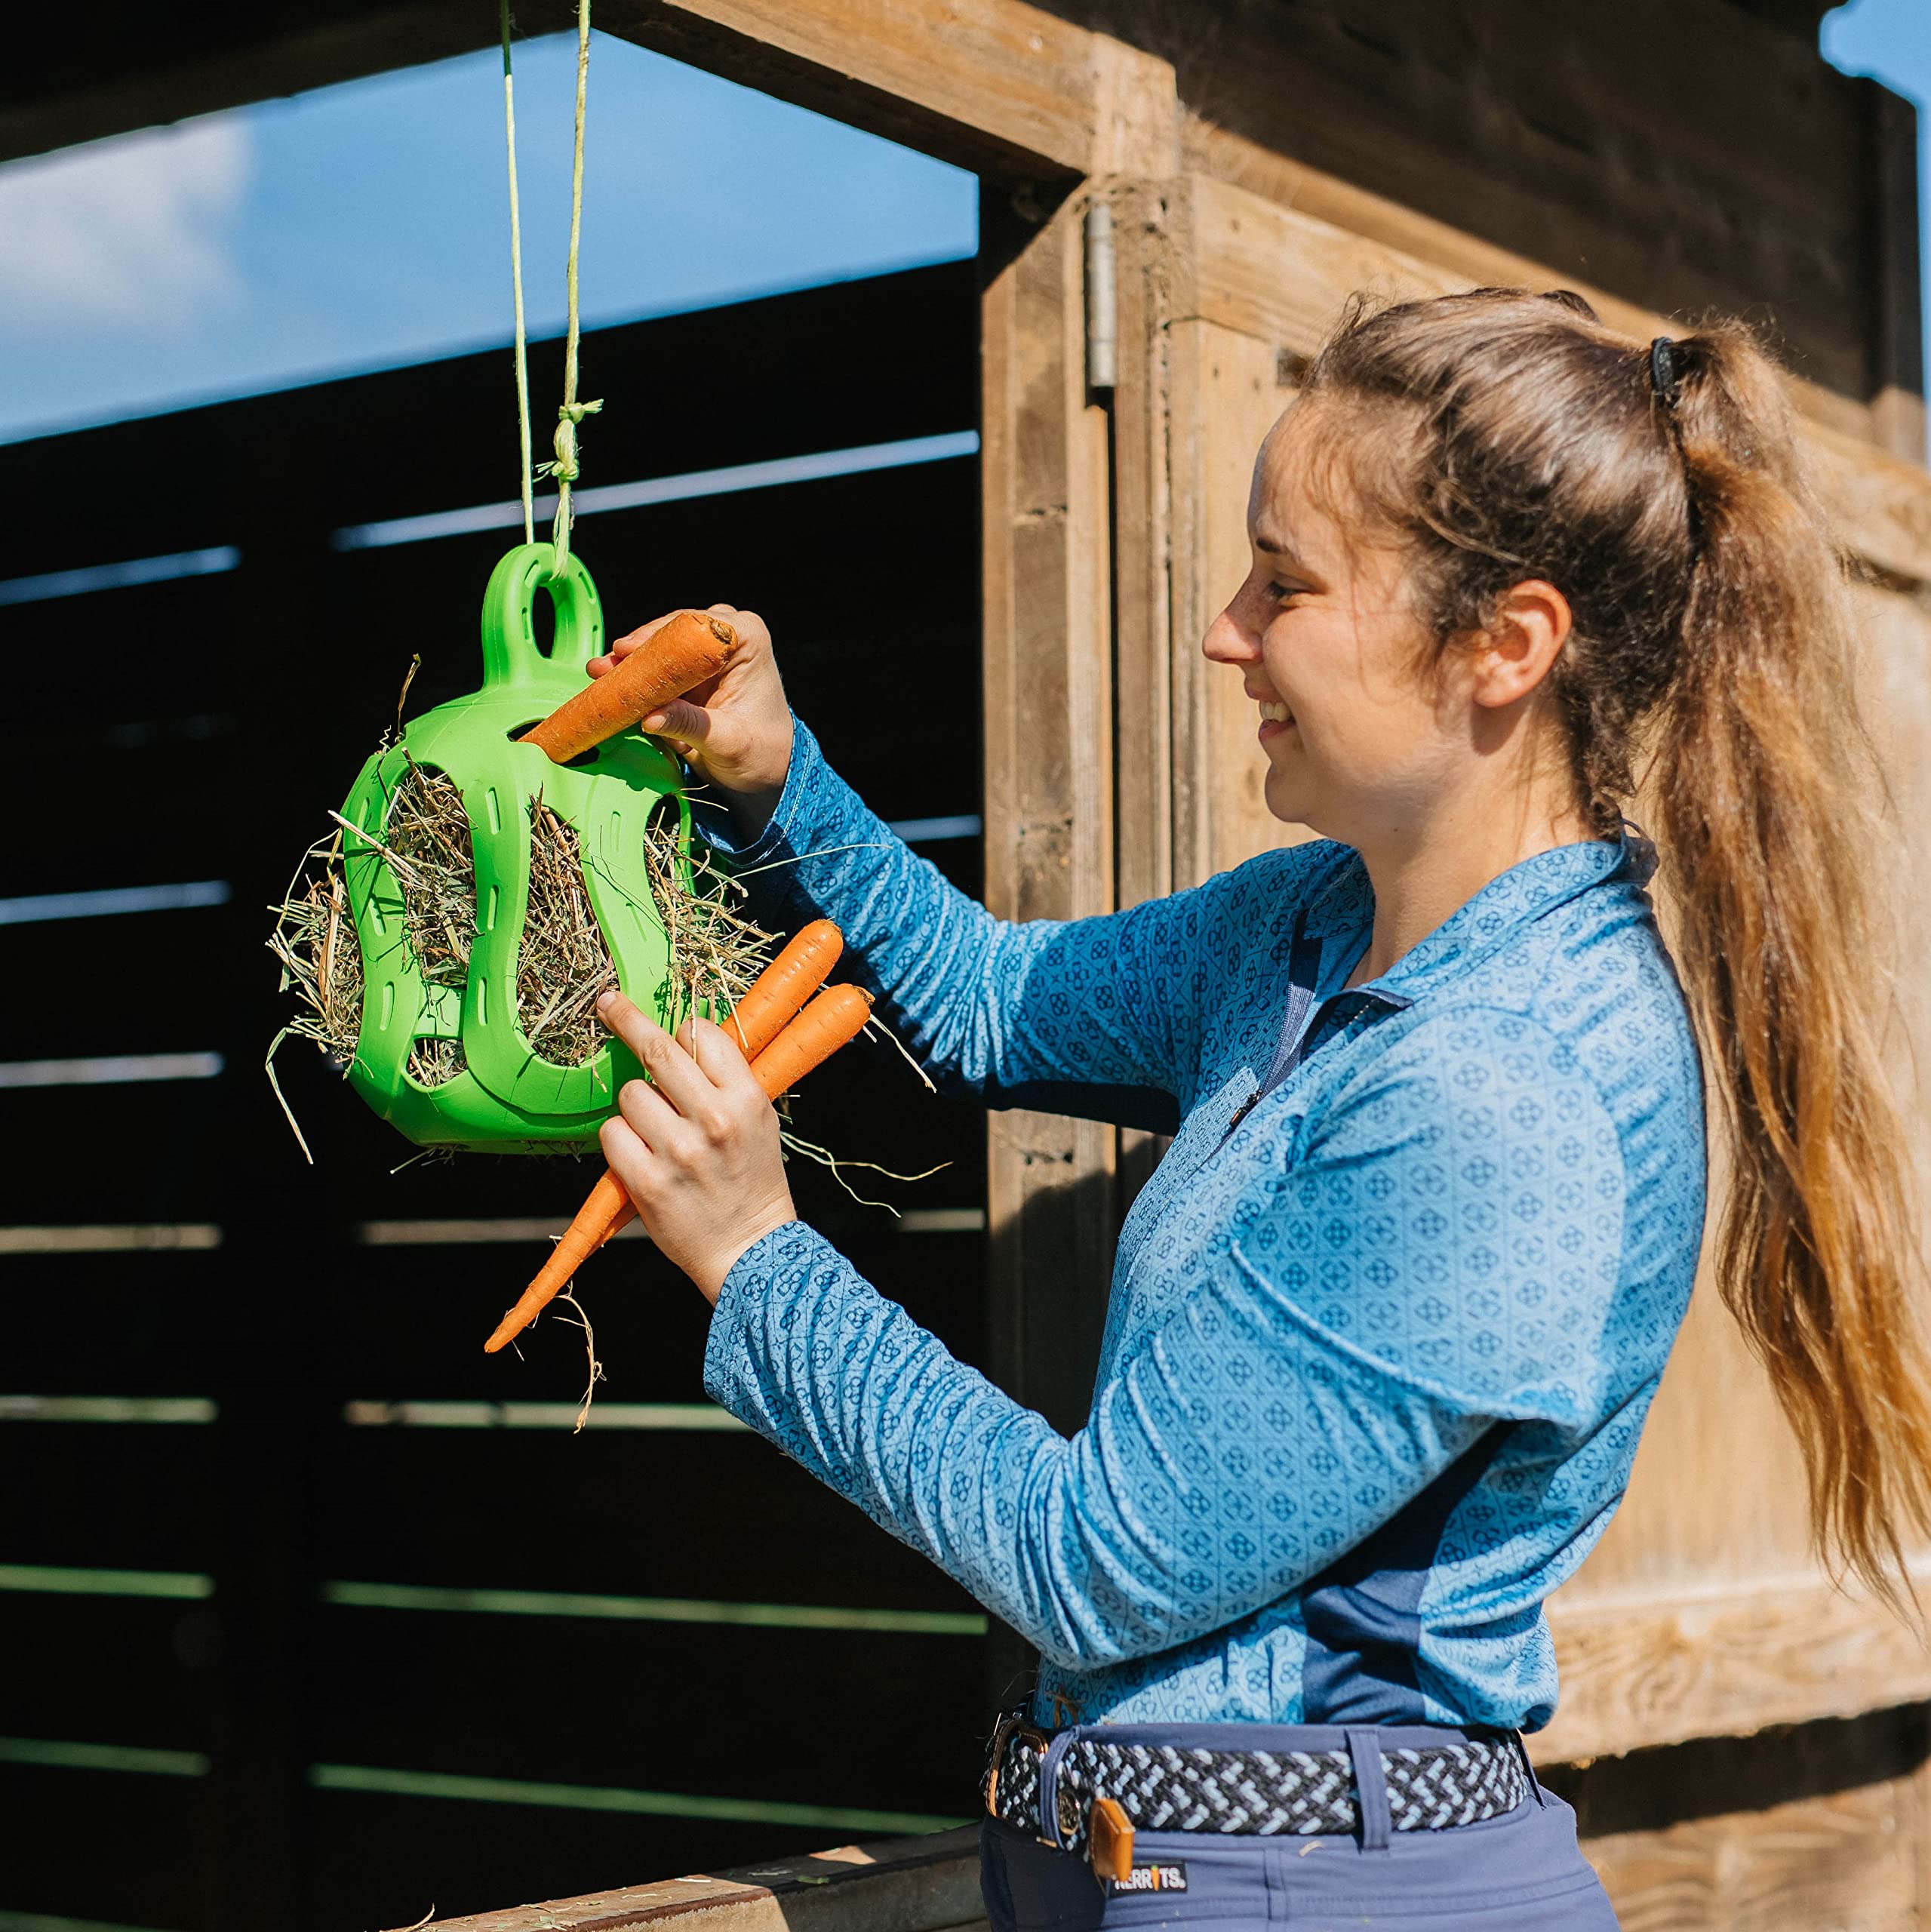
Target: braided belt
[[1161, 1789]]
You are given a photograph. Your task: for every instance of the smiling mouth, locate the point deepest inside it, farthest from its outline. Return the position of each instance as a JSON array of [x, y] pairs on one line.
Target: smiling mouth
[[1276, 713]]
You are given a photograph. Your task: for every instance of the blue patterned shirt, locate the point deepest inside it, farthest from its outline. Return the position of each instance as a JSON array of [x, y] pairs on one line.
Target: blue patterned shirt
[[1380, 1342]]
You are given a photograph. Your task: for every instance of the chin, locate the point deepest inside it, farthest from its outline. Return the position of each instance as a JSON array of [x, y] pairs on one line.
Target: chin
[[1290, 803]]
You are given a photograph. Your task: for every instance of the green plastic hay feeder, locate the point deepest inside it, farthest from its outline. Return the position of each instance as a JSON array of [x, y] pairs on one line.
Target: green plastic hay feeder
[[507, 1099]]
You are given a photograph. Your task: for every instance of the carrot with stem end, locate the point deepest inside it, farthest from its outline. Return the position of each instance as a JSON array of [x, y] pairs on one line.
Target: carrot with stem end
[[774, 996], [834, 1019], [688, 650]]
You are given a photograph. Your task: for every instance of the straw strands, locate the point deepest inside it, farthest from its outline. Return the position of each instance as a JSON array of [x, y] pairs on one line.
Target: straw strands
[[563, 964]]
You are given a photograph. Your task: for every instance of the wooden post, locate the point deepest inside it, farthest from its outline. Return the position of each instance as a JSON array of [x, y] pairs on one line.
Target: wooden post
[[1055, 562], [1048, 768]]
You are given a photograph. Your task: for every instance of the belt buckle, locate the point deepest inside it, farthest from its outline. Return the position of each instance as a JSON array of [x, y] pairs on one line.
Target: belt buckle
[[1010, 1725]]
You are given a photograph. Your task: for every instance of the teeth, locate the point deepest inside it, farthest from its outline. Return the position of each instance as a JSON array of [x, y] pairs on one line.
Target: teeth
[[1279, 713]]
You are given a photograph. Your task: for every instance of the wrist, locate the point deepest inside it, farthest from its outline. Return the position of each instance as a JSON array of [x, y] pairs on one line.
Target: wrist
[[712, 1274]]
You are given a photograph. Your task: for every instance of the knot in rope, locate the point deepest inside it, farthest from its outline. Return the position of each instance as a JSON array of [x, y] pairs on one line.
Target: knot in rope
[[565, 468]]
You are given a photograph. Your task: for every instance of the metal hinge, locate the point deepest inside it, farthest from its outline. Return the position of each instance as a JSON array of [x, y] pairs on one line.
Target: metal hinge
[[1102, 314]]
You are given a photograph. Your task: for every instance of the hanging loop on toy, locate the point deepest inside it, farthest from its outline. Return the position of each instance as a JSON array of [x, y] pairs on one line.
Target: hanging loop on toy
[[511, 654]]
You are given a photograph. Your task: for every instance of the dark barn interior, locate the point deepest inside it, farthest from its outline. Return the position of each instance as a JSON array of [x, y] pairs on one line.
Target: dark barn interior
[[271, 1626]]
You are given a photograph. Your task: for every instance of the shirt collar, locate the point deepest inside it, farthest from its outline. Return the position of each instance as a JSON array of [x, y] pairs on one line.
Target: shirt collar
[[1510, 902]]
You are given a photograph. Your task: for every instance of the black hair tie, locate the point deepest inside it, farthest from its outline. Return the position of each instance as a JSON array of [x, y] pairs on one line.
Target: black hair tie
[[1665, 375]]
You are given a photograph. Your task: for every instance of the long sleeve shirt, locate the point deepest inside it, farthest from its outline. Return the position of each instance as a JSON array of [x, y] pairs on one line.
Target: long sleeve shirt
[[1384, 1323]]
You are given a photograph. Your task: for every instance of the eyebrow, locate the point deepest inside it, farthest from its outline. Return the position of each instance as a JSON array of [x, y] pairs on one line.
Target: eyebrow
[[1275, 546]]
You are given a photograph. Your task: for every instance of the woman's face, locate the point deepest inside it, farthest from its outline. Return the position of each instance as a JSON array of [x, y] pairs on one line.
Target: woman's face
[[1362, 728]]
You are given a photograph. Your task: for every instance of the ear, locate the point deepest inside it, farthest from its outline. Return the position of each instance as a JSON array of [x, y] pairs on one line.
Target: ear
[[1532, 623]]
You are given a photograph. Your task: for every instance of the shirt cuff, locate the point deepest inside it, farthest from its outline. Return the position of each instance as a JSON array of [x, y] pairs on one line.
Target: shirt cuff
[[786, 1251]]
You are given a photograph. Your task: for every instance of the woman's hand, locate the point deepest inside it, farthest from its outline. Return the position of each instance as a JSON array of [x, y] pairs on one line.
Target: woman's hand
[[734, 730], [697, 1151]]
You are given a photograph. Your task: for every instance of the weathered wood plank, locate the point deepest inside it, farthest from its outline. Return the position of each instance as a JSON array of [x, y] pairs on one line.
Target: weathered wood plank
[[1048, 806], [1225, 395], [1732, 1658], [997, 85], [929, 1884], [1809, 1826], [1281, 275], [1846, 1862]]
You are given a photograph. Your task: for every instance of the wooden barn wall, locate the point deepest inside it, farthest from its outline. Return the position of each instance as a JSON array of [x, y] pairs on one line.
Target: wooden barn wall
[[250, 1675], [1703, 1610]]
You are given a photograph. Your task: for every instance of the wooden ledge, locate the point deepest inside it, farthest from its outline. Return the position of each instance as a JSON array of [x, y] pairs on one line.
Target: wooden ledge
[[924, 1885]]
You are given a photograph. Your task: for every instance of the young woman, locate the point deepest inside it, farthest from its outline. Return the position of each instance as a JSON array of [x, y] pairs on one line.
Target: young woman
[[1386, 1320]]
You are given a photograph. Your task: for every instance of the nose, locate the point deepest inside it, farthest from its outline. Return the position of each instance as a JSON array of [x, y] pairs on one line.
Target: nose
[[1231, 638]]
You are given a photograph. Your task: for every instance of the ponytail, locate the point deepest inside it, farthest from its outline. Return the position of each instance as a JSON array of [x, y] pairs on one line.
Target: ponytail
[[1506, 436], [1762, 779]]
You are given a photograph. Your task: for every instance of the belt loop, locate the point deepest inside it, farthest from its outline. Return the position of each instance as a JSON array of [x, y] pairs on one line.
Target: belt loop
[[1534, 1783], [1049, 1789], [1371, 1787]]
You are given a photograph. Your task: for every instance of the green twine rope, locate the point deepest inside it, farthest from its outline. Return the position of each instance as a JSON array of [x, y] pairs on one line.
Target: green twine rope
[[565, 466]]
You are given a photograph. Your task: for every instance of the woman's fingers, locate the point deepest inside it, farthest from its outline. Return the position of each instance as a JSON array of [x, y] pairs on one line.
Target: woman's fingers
[[684, 1084], [715, 1049], [621, 647]]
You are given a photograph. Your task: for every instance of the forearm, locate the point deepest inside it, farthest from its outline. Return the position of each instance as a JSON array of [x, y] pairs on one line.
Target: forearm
[[984, 1005], [1166, 1517]]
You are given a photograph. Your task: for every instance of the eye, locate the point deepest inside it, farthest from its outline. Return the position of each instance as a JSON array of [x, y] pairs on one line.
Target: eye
[[1281, 593]]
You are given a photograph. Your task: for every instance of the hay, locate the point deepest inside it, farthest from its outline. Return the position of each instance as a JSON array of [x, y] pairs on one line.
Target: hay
[[715, 953], [315, 940], [427, 832], [563, 964]]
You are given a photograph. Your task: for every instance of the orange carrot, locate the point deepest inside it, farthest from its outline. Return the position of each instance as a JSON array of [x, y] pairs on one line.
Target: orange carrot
[[784, 986], [837, 1015], [607, 1209], [834, 1018], [680, 655]]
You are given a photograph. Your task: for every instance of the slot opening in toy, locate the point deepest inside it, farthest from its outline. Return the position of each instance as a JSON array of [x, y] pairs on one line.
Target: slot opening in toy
[[581, 762], [425, 828], [562, 963], [543, 620], [434, 1063]]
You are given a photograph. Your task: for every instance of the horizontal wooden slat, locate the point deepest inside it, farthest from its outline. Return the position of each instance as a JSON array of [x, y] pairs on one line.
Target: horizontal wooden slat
[[921, 1884], [404, 1681], [635, 1513], [125, 1495], [806, 374], [414, 1855], [113, 1670], [1640, 1671]]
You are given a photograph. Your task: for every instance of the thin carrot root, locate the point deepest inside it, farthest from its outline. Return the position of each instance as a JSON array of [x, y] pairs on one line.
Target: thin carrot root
[[686, 652]]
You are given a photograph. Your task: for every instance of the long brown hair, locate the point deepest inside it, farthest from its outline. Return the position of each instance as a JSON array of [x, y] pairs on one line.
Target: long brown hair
[[1504, 435]]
